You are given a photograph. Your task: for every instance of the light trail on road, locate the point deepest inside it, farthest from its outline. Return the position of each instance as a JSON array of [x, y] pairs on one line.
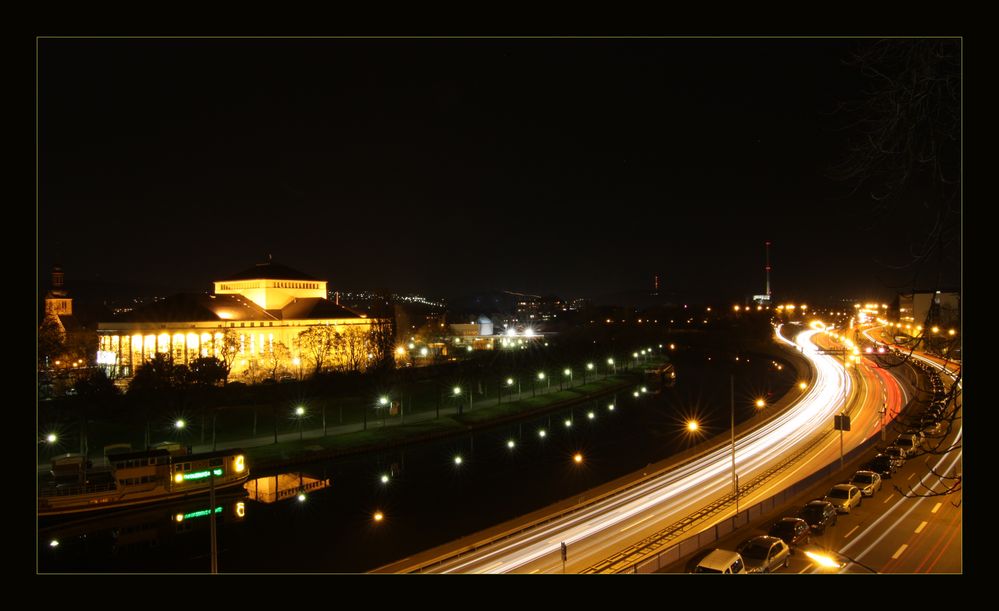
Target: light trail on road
[[604, 527]]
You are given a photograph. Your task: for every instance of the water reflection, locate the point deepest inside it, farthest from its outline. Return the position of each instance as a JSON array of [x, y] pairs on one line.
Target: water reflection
[[283, 486], [114, 540]]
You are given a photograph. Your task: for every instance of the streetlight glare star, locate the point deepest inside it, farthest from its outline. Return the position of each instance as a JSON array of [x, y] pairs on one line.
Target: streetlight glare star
[[51, 437], [823, 560], [692, 425]]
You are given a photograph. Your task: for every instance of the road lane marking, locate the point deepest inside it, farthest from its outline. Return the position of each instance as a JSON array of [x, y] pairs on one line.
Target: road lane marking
[[905, 513], [889, 497], [851, 531], [936, 507], [911, 475], [635, 524], [920, 528], [899, 551]]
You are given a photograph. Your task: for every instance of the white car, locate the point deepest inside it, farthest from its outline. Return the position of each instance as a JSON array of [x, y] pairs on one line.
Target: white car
[[844, 497], [869, 482]]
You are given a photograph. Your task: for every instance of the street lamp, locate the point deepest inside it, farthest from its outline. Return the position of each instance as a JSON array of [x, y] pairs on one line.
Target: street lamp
[[568, 373], [51, 438], [179, 424], [383, 402], [589, 368], [300, 412], [611, 363], [826, 560], [760, 403], [693, 426]]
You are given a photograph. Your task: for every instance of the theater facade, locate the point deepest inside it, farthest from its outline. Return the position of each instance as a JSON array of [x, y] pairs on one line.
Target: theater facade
[[256, 318]]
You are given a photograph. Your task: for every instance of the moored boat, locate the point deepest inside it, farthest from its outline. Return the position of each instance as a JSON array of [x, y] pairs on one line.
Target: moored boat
[[137, 478]]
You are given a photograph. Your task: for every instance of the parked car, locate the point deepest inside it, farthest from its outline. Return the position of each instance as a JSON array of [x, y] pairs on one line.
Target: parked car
[[869, 482], [793, 531], [819, 514], [898, 455], [909, 443], [844, 497], [881, 464], [764, 553], [721, 561]]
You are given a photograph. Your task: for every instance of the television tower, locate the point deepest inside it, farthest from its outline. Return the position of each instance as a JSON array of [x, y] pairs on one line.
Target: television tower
[[768, 270]]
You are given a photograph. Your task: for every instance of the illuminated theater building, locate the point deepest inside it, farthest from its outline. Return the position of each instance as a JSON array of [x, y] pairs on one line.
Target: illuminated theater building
[[260, 308]]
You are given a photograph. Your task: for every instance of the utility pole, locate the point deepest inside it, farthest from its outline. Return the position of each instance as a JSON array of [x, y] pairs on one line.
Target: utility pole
[[735, 478]]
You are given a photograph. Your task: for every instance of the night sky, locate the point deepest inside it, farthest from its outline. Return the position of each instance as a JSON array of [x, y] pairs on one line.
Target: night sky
[[577, 167]]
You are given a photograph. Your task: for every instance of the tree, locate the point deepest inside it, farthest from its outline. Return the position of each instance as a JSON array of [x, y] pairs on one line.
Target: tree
[[154, 376], [319, 343], [227, 348], [905, 149], [354, 346], [207, 371], [51, 340], [906, 152], [276, 357]]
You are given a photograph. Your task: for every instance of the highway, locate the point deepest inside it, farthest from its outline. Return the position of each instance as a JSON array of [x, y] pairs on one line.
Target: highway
[[602, 528], [919, 531]]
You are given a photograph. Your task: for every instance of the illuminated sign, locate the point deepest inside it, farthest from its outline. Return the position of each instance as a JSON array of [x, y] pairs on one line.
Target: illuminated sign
[[201, 474], [180, 517]]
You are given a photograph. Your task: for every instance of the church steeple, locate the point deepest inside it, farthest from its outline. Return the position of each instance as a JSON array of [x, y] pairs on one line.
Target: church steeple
[[57, 301]]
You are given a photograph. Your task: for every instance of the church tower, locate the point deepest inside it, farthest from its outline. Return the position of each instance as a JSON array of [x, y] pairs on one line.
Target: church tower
[[57, 300]]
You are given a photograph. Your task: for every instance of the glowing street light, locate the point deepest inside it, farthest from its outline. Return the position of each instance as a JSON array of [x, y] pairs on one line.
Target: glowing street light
[[179, 424], [51, 438], [568, 423], [301, 497], [378, 516], [693, 426], [511, 444], [802, 385], [542, 433], [577, 458], [591, 415], [457, 460], [300, 412], [385, 478], [760, 403]]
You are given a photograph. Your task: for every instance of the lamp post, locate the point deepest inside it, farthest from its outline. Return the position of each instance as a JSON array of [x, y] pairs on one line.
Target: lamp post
[[735, 477], [587, 369], [826, 560], [383, 402], [300, 412], [456, 392], [568, 373]]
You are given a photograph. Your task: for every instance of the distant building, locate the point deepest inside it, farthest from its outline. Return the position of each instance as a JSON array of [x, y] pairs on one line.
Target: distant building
[[263, 310], [927, 308]]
